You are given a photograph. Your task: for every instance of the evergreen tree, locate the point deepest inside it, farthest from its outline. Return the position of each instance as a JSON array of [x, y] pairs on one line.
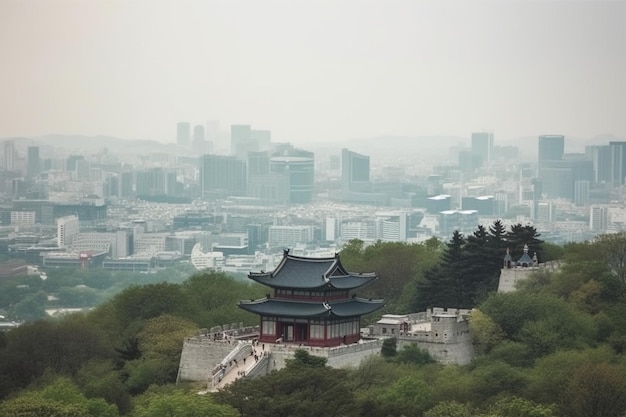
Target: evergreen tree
[[443, 284], [478, 265], [519, 236]]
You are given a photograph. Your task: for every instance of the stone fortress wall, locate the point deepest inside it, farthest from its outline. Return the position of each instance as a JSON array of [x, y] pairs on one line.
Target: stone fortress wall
[[443, 333], [509, 277], [203, 353]]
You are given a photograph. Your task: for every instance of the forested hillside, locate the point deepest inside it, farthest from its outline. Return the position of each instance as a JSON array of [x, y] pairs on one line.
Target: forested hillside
[[554, 347]]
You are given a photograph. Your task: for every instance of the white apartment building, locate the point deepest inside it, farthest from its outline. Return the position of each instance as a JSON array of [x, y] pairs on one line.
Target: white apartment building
[[599, 218], [391, 226], [365, 231], [67, 228], [150, 243], [289, 236]]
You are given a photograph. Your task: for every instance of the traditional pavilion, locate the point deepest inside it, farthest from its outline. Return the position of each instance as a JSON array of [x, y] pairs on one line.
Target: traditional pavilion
[[311, 304]]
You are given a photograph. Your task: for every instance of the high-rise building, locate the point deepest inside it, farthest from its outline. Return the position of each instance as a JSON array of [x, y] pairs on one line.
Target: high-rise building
[[469, 162], [618, 163], [198, 133], [268, 187], [213, 137], [501, 202], [392, 226], [34, 163], [599, 218], [67, 228], [558, 177], [183, 134], [241, 141], [155, 182], [222, 176], [581, 192], [298, 166], [545, 212], [484, 205], [551, 148], [600, 157], [199, 144], [355, 172], [482, 145], [9, 155]]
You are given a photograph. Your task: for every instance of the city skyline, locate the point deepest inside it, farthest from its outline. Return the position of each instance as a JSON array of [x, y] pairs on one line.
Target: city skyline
[[313, 72]]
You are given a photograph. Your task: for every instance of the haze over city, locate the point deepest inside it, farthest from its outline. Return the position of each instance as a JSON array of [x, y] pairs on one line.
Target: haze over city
[[313, 71]]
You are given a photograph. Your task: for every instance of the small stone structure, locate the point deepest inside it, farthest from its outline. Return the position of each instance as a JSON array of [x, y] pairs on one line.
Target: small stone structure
[[514, 271], [443, 333]]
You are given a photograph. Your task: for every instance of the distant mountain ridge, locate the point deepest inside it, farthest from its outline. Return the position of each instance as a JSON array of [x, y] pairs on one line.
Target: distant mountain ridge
[[88, 144]]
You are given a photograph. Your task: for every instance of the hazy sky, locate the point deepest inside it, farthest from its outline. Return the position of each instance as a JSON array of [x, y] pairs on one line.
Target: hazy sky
[[313, 71]]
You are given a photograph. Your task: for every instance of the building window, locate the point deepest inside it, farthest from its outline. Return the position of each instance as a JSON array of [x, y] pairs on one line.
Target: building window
[[269, 326], [316, 331]]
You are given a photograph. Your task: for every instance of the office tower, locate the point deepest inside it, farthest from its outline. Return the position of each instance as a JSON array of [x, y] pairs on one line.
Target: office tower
[[482, 145], [222, 176], [355, 172], [501, 202], [545, 212], [484, 205], [156, 182], [258, 163], [183, 134], [270, 187], [469, 162], [581, 192], [9, 155], [198, 133], [214, 140], [127, 184], [71, 162], [551, 148], [298, 167], [82, 171], [600, 157], [558, 177], [199, 142], [438, 203], [34, 163], [392, 226], [599, 218], [618, 163], [241, 141]]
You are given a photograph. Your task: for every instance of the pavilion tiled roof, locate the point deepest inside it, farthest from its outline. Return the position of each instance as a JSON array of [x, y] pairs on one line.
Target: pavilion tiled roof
[[314, 274], [308, 309]]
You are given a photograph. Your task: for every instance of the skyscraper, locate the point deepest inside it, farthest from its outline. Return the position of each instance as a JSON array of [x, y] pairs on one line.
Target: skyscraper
[[34, 164], [601, 159], [183, 134], [222, 176], [9, 155], [551, 148], [581, 192], [241, 141], [298, 167], [618, 163], [355, 172], [482, 145], [199, 142]]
